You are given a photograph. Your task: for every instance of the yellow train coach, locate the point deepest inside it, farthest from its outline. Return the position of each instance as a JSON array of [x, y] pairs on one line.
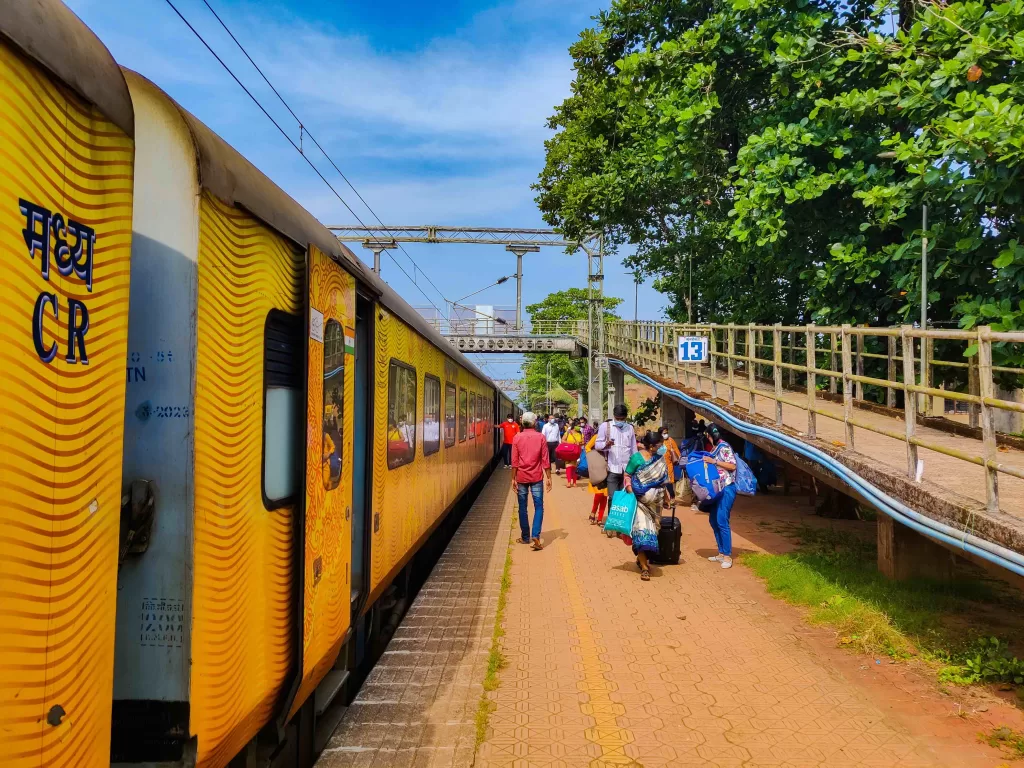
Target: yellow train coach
[[203, 545]]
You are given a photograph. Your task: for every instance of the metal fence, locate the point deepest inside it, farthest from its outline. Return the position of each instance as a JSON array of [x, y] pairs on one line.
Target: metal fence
[[905, 369]]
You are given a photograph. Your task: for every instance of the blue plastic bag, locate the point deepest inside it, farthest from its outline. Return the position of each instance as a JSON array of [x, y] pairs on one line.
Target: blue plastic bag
[[746, 483], [621, 513], [705, 479]]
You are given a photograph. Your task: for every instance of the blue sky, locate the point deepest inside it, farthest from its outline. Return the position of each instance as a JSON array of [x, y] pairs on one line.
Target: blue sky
[[435, 111]]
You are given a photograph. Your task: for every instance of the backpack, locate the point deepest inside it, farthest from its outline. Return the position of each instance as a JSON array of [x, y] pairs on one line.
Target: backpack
[[746, 482], [705, 479]]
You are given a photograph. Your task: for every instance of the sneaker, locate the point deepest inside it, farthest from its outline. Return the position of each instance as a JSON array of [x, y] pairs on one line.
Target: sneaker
[[727, 562], [715, 559]]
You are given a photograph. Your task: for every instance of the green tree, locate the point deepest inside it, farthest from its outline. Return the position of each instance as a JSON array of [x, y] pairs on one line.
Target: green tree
[[567, 374], [665, 95], [786, 148]]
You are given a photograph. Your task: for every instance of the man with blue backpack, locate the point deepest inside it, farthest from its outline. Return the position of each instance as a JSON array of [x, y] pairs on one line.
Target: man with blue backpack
[[723, 457]]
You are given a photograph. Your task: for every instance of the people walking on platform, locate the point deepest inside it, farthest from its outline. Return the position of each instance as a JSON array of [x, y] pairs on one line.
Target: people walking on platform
[[617, 438], [509, 430], [720, 509], [672, 455], [645, 477], [573, 436], [531, 476], [553, 436], [600, 490]]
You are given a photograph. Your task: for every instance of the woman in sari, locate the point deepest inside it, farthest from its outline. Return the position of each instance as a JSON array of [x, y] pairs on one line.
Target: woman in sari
[[645, 477]]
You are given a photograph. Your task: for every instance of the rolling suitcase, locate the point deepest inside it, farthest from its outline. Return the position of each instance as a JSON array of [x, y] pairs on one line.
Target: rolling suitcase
[[670, 540]]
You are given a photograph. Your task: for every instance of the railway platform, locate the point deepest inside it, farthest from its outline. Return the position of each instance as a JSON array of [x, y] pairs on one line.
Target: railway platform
[[698, 667]]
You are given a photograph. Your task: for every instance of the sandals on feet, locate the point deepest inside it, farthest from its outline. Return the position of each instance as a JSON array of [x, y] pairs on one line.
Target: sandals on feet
[[536, 546], [645, 575]]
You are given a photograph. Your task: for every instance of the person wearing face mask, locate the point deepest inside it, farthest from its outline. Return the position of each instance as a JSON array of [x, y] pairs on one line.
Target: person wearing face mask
[[644, 478], [509, 430], [552, 436], [670, 450], [720, 512], [617, 439]]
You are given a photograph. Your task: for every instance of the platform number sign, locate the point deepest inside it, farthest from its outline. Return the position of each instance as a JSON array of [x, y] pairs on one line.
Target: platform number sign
[[693, 349]]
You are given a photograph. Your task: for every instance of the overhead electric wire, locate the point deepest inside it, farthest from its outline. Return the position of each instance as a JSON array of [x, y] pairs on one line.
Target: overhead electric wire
[[298, 149], [302, 127]]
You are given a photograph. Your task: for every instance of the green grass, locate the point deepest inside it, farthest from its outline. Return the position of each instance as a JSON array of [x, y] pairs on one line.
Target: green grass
[[495, 659], [833, 574], [1008, 741]]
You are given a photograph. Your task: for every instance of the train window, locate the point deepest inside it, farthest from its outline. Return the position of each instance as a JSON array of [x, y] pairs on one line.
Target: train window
[[431, 415], [450, 407], [334, 397], [283, 410], [463, 414], [474, 415], [401, 414]]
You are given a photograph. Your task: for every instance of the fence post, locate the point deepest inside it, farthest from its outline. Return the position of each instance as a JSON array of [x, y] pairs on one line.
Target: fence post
[[926, 361], [732, 363], [812, 384], [713, 358], [909, 399], [751, 374], [777, 368], [860, 365], [833, 383], [988, 428], [847, 385], [790, 373], [973, 388], [890, 375]]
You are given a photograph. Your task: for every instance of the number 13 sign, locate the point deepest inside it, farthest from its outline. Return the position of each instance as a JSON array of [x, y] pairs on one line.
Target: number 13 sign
[[693, 349]]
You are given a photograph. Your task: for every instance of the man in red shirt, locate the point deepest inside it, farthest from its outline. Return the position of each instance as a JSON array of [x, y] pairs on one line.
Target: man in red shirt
[[509, 429], [531, 474]]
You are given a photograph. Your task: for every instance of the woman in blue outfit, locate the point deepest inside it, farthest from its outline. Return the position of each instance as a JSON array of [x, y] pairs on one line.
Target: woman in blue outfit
[[720, 510]]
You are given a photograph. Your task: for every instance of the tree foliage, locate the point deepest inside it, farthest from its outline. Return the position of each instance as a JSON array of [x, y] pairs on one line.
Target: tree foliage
[[567, 374], [786, 147]]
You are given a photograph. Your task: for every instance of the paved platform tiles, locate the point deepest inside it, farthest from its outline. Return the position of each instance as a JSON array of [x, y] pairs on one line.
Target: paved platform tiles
[[418, 705], [688, 669]]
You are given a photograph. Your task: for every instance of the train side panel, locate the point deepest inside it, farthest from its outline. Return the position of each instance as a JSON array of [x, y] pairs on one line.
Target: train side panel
[[65, 183], [329, 433], [244, 617], [409, 499]]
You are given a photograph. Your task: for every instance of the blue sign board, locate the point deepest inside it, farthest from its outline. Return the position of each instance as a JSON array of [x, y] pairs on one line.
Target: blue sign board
[[693, 349]]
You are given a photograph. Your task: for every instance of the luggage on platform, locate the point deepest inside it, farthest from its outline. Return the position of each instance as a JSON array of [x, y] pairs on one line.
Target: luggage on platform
[[597, 465], [568, 451], [670, 540], [705, 479]]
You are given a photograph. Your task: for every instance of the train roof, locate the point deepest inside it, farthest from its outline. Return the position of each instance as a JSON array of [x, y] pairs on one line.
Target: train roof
[[224, 172], [50, 34]]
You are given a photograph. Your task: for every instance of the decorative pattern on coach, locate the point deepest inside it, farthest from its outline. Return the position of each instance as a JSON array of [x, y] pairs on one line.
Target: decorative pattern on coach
[[328, 487], [65, 240], [243, 608]]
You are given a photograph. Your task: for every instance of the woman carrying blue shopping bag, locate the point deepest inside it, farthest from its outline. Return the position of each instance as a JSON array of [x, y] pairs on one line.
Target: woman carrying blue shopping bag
[[720, 510], [645, 478]]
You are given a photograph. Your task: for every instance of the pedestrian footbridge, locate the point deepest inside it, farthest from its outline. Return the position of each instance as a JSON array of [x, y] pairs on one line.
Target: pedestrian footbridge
[[923, 426], [495, 337]]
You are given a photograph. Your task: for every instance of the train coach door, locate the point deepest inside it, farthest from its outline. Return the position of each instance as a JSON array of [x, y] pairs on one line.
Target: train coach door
[[363, 447], [326, 547]]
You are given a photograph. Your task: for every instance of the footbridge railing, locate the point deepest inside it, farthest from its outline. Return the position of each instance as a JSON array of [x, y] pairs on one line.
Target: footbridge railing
[[953, 396]]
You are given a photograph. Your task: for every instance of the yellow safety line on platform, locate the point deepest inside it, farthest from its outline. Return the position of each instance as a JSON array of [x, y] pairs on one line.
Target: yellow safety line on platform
[[606, 733]]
